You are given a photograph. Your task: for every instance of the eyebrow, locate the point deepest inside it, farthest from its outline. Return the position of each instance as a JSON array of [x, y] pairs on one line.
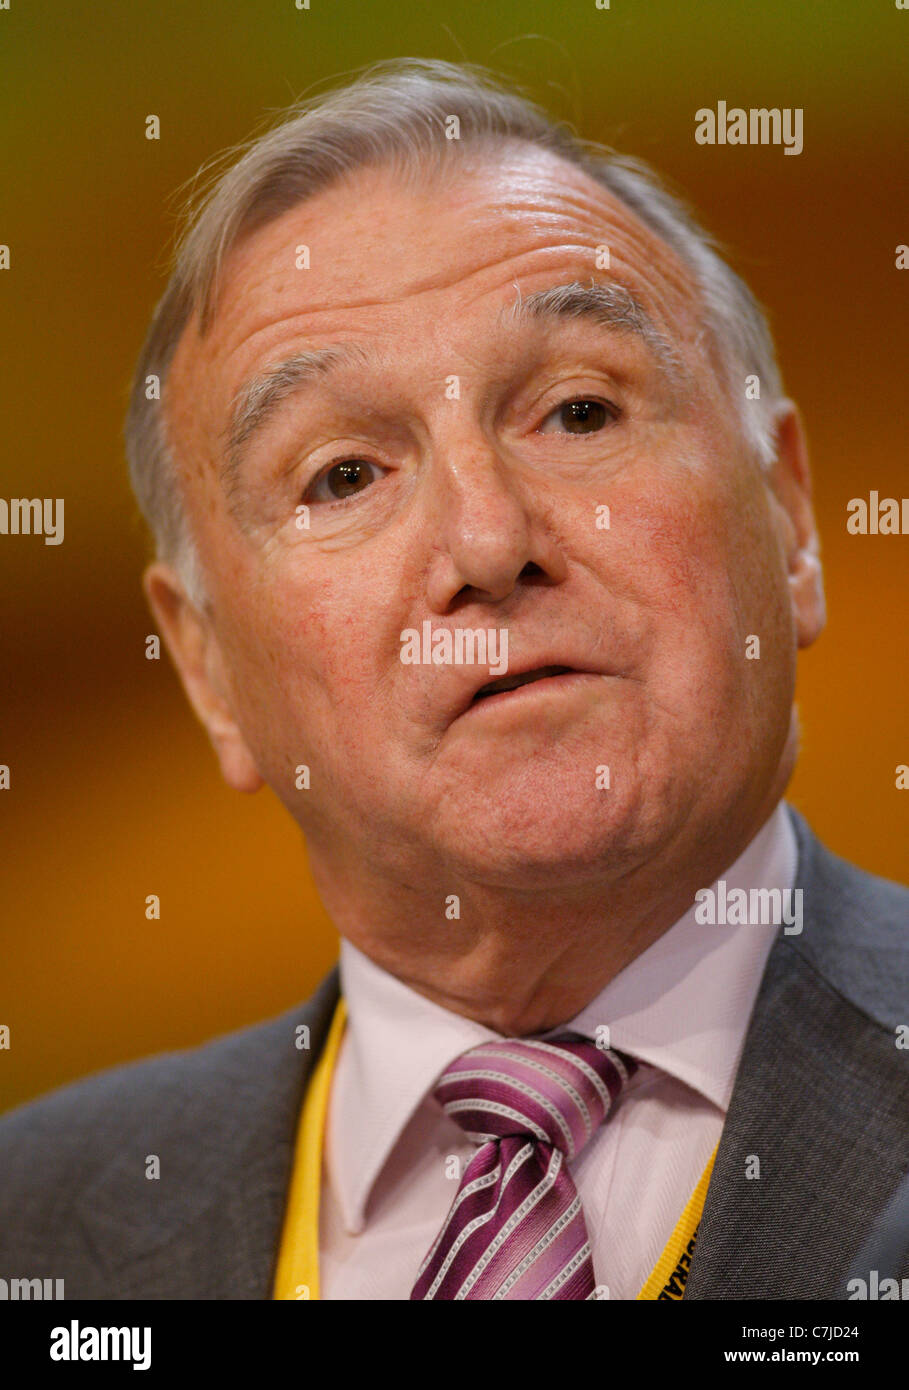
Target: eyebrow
[[257, 401], [610, 306], [607, 305]]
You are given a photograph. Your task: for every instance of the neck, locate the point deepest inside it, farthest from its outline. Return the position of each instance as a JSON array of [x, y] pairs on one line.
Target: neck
[[522, 960]]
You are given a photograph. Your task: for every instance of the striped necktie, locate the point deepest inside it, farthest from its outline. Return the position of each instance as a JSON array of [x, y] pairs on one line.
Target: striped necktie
[[516, 1228]]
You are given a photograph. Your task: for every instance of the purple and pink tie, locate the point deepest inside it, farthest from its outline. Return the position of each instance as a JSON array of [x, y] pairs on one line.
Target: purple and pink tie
[[516, 1228]]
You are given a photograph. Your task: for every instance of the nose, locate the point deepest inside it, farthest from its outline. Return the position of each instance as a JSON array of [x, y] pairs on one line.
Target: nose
[[490, 529]]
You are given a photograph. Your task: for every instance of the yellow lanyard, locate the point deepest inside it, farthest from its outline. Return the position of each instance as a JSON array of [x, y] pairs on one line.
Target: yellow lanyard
[[297, 1273]]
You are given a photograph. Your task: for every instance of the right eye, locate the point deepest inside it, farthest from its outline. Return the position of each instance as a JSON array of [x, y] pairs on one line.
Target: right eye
[[343, 479]]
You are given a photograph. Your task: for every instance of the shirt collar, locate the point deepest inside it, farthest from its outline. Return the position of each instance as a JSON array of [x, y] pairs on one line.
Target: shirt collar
[[682, 1006]]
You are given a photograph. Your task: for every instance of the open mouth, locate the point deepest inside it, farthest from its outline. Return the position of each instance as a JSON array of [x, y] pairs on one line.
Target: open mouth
[[504, 683]]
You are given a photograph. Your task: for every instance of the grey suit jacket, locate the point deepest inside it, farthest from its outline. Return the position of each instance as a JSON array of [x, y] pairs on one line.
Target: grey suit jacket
[[821, 1099]]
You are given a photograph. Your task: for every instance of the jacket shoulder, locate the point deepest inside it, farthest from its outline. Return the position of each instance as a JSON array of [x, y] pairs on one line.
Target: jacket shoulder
[[855, 929], [52, 1148]]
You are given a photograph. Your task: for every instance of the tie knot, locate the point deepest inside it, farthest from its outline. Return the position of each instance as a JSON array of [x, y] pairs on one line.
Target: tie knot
[[558, 1091]]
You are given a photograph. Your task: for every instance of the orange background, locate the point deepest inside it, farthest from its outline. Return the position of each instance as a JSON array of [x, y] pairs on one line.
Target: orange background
[[115, 793]]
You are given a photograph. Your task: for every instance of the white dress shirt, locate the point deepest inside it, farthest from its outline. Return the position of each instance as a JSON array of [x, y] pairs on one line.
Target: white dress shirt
[[681, 1008]]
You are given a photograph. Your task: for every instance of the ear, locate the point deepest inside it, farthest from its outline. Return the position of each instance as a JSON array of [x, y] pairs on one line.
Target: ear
[[789, 479], [195, 652]]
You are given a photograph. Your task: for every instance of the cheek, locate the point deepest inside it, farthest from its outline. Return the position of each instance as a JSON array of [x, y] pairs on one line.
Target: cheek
[[674, 547], [720, 594], [692, 552], [312, 661]]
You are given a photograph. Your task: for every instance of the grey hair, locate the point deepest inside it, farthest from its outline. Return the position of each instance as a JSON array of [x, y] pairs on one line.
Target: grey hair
[[395, 112]]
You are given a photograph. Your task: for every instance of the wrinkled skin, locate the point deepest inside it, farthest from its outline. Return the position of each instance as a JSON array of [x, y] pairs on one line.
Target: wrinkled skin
[[481, 512]]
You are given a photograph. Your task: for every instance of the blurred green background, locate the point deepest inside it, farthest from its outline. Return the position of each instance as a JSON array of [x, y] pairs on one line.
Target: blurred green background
[[114, 791]]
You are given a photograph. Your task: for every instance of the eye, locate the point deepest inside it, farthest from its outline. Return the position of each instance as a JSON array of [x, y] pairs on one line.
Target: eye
[[580, 417], [343, 479]]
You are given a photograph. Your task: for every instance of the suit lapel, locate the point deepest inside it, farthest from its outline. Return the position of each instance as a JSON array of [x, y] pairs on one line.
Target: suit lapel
[[813, 1144]]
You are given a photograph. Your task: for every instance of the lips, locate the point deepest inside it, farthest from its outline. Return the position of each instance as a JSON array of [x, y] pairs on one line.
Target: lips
[[463, 692], [512, 682]]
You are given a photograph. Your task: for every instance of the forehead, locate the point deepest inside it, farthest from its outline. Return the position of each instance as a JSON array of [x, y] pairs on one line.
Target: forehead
[[441, 253]]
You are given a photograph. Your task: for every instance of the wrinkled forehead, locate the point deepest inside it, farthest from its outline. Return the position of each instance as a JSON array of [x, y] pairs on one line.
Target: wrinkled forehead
[[382, 250]]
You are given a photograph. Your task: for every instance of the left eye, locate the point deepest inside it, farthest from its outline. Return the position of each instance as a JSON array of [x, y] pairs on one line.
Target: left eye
[[580, 417]]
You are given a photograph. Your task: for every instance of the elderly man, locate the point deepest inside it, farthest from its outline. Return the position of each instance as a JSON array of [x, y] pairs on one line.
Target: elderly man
[[485, 539]]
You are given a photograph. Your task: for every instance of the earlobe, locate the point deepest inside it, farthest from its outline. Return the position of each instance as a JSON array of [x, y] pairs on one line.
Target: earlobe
[[194, 650], [791, 484], [806, 585]]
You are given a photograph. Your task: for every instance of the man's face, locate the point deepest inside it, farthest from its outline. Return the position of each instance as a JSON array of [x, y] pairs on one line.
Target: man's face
[[455, 472]]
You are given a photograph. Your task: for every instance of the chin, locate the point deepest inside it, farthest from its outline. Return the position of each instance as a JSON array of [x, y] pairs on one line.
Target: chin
[[521, 841]]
